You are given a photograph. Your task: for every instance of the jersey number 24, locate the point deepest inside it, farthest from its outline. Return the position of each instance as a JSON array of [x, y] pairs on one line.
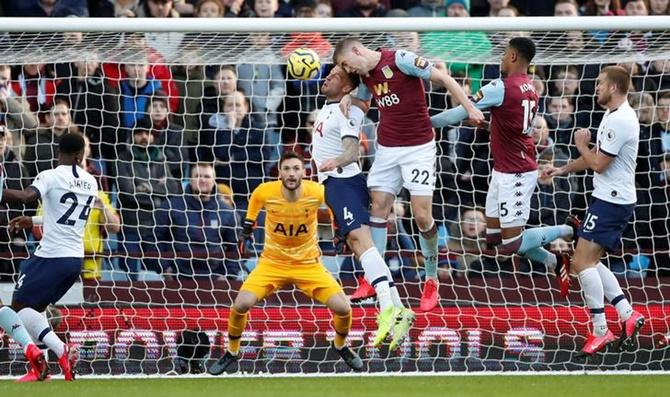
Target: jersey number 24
[[83, 215]]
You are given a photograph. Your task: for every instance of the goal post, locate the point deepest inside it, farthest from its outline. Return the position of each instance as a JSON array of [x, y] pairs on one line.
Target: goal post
[[173, 265]]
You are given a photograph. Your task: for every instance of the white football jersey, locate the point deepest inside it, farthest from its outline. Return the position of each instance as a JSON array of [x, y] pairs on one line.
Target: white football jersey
[[68, 192], [329, 129], [618, 137]]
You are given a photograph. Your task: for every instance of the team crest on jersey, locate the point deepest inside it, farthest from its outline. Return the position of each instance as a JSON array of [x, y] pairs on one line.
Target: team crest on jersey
[[387, 72], [421, 62], [609, 134], [351, 123]]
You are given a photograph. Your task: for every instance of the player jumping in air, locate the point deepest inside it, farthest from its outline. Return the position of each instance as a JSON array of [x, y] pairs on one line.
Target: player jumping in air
[[291, 255], [335, 152], [513, 103], [406, 151], [67, 193], [613, 160]]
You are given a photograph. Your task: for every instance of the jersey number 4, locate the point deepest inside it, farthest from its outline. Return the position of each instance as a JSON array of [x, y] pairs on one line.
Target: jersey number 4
[[529, 110], [65, 219]]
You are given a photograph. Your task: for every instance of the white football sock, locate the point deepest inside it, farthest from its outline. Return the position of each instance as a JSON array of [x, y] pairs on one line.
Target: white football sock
[[38, 328], [613, 292], [375, 273], [592, 289]]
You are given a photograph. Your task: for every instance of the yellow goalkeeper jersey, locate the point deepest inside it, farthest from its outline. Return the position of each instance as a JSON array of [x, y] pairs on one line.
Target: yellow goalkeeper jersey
[[290, 227]]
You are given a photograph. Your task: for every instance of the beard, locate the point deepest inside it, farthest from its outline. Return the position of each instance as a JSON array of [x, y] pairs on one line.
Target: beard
[[602, 100], [289, 188]]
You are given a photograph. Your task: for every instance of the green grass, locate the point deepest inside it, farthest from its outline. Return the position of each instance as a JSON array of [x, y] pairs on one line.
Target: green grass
[[479, 386]]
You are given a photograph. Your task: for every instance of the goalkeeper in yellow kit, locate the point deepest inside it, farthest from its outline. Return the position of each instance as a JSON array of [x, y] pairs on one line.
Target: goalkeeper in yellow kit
[[291, 255]]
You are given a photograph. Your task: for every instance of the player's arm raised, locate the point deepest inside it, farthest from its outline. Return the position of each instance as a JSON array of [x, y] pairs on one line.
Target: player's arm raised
[[26, 196], [491, 95], [443, 79]]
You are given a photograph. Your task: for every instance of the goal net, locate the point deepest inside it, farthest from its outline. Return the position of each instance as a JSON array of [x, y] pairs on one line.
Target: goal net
[[156, 106]]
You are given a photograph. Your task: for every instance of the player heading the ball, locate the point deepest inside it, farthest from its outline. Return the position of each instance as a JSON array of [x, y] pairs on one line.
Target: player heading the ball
[[406, 151]]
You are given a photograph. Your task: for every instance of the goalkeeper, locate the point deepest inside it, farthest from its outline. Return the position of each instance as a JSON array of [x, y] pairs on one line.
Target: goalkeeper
[[291, 256]]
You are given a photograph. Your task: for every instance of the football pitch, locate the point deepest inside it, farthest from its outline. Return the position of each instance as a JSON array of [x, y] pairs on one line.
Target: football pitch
[[387, 386]]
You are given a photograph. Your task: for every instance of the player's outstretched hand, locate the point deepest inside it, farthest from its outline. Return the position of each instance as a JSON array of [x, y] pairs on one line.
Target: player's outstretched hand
[[20, 223], [475, 115], [345, 104], [552, 171]]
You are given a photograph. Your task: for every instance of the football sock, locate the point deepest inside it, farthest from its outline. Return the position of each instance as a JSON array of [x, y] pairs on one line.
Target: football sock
[[613, 292], [378, 230], [428, 243], [38, 328], [592, 289], [543, 256], [236, 323], [540, 236], [12, 325], [375, 273], [342, 324]]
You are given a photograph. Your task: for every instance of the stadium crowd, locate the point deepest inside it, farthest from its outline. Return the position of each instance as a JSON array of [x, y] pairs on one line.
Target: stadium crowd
[[178, 149]]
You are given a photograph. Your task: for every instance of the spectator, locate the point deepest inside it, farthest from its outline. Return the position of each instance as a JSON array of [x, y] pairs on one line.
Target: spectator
[[212, 116], [650, 147], [15, 113], [662, 125], [136, 90], [324, 9], [660, 210], [467, 242], [636, 8], [473, 166], [428, 8], [125, 8], [312, 40], [240, 149], [659, 7], [566, 8], [537, 77], [197, 228], [190, 80], [102, 221], [444, 45], [16, 177], [42, 149], [238, 9], [209, 9], [363, 9], [157, 68], [263, 82], [157, 9], [543, 144], [266, 8], [602, 8], [144, 181], [659, 71], [565, 84], [496, 5], [551, 201], [168, 136], [94, 104], [403, 267], [560, 120], [37, 84], [641, 82]]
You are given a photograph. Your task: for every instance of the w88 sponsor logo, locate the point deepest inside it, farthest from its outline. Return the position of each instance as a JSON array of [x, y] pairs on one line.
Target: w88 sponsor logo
[[388, 100]]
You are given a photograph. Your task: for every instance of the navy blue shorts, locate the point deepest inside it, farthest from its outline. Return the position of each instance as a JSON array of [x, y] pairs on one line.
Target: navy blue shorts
[[605, 222], [349, 200], [45, 280]]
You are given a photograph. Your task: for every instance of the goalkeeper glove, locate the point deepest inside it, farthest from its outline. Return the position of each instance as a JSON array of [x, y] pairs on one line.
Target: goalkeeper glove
[[245, 236]]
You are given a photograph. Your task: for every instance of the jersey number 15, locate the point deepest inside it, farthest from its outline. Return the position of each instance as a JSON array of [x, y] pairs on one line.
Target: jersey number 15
[[529, 110]]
